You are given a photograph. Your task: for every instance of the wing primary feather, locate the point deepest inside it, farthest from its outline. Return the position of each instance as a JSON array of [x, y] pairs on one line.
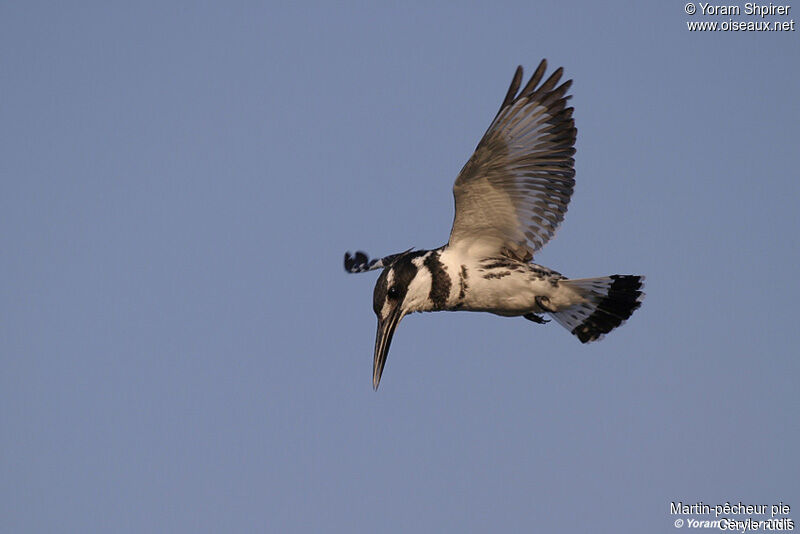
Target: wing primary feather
[[535, 79], [552, 100], [512, 89], [548, 86]]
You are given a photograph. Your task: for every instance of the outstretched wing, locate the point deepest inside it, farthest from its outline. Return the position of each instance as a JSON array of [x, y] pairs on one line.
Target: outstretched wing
[[360, 262], [513, 192]]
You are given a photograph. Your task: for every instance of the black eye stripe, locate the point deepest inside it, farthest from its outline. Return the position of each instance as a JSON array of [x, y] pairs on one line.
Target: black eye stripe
[[401, 273]]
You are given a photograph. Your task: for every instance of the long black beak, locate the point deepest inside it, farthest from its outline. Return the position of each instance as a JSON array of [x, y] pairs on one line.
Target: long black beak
[[382, 341]]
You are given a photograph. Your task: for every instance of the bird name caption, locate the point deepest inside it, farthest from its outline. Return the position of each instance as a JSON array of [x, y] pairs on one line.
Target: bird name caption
[[756, 17], [751, 517]]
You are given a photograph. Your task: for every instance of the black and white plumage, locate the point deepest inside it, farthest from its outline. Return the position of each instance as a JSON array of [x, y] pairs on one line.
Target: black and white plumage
[[510, 198]]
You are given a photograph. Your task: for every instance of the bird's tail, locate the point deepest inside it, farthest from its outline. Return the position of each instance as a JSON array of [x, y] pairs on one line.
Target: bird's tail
[[610, 300]]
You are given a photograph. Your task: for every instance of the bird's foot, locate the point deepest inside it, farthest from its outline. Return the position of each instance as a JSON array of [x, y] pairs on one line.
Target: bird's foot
[[536, 318]]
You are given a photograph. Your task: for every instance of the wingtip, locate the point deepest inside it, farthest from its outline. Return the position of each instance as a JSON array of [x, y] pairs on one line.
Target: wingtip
[[349, 261], [354, 263]]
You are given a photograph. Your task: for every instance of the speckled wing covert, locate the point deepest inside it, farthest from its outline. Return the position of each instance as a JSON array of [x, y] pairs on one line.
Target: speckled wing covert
[[513, 192]]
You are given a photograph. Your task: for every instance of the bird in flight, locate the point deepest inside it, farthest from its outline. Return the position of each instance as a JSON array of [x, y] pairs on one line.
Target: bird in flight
[[509, 199]]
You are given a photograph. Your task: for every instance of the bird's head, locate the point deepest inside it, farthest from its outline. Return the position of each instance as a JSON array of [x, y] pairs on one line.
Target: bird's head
[[402, 288]]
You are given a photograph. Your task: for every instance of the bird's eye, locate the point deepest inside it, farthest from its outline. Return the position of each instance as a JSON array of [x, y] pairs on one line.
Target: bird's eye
[[393, 294]]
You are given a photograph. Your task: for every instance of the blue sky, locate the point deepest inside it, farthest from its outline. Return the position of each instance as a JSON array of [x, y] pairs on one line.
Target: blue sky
[[182, 351]]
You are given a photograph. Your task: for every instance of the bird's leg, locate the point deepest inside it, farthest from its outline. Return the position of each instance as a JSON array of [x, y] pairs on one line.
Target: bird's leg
[[544, 304]]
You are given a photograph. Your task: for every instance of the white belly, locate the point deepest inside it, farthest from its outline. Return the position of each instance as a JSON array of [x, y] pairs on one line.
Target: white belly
[[503, 291], [508, 296]]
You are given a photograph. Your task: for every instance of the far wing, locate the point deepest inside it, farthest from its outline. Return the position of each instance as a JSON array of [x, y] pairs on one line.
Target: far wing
[[513, 192], [360, 262]]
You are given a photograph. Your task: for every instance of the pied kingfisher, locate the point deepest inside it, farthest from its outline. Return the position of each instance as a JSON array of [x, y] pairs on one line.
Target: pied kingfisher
[[510, 197]]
